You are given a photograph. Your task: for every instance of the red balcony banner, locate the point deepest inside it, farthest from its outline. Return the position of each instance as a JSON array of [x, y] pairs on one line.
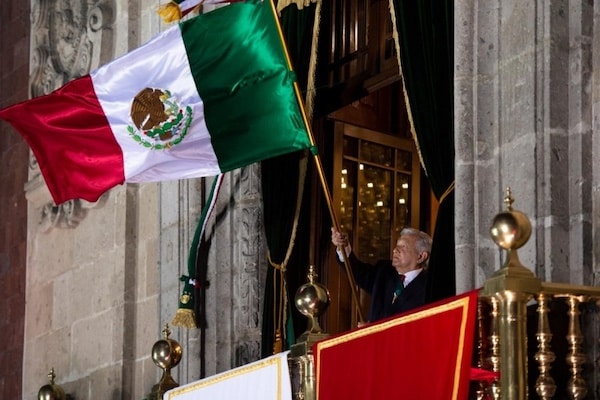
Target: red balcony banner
[[424, 354]]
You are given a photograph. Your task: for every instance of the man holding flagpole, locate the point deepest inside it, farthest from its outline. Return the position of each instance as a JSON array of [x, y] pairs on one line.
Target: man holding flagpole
[[396, 285]]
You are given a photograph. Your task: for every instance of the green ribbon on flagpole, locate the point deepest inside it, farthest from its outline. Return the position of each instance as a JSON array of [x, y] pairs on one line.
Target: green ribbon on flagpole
[[185, 317]]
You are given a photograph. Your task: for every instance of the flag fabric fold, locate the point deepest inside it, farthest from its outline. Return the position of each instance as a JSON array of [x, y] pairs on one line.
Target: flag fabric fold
[[209, 95]]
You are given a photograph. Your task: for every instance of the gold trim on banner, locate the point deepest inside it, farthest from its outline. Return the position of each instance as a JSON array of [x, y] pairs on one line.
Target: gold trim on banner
[[258, 365], [463, 303]]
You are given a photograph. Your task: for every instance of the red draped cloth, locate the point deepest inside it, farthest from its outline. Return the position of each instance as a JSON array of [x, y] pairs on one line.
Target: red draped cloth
[[424, 354]]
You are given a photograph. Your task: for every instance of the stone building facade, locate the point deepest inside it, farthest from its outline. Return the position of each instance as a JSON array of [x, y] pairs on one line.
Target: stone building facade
[[88, 287], [527, 90]]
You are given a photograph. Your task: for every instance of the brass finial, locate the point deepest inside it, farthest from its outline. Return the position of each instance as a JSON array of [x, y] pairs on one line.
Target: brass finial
[[166, 331], [166, 354], [51, 391], [510, 229], [51, 376], [509, 289], [508, 199], [312, 274], [312, 299]]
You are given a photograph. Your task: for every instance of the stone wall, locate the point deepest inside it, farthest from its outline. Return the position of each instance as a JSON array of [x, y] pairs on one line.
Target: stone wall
[[103, 278], [93, 297], [91, 274], [526, 110]]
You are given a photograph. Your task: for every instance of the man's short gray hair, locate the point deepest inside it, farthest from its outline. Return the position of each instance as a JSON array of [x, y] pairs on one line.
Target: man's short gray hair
[[423, 242]]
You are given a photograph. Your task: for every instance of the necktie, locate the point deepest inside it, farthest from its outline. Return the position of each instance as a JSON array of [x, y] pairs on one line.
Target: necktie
[[399, 287]]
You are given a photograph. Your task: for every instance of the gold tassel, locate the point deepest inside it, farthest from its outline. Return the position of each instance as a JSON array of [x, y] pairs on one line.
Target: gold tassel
[[170, 12], [184, 318]]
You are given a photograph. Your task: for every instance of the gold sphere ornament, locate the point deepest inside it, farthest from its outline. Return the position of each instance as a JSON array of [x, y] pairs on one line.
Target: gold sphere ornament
[[51, 391], [312, 299], [510, 229], [166, 354]]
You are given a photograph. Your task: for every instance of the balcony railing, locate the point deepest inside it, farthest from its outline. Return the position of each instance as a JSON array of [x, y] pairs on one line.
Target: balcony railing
[[504, 347], [530, 333]]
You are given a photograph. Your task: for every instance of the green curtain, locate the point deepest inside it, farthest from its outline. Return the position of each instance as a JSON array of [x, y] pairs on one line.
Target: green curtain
[[280, 190], [425, 30]]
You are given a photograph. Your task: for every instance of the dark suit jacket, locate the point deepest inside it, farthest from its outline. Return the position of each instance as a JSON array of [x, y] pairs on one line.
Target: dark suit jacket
[[379, 281]]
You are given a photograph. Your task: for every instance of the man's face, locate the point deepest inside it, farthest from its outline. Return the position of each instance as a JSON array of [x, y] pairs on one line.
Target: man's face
[[405, 256]]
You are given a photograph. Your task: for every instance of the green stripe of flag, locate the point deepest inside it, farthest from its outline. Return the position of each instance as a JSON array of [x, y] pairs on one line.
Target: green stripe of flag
[[241, 72]]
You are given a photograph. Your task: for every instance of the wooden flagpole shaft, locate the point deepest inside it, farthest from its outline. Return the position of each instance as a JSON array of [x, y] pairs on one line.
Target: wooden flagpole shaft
[[336, 226], [319, 167]]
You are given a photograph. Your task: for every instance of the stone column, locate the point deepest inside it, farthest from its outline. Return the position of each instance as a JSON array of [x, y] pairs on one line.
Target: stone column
[[523, 118], [236, 269]]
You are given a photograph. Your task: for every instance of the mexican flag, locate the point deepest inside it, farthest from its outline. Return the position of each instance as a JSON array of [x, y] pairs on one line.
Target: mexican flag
[[209, 95]]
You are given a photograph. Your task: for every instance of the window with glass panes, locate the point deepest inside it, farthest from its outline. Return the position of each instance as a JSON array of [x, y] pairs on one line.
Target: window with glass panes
[[377, 190]]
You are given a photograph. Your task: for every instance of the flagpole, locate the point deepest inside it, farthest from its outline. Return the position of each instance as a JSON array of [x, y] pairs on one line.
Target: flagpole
[[320, 170]]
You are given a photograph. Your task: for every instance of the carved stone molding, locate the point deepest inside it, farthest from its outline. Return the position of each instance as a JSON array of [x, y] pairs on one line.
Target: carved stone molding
[[69, 38], [65, 215], [251, 261]]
